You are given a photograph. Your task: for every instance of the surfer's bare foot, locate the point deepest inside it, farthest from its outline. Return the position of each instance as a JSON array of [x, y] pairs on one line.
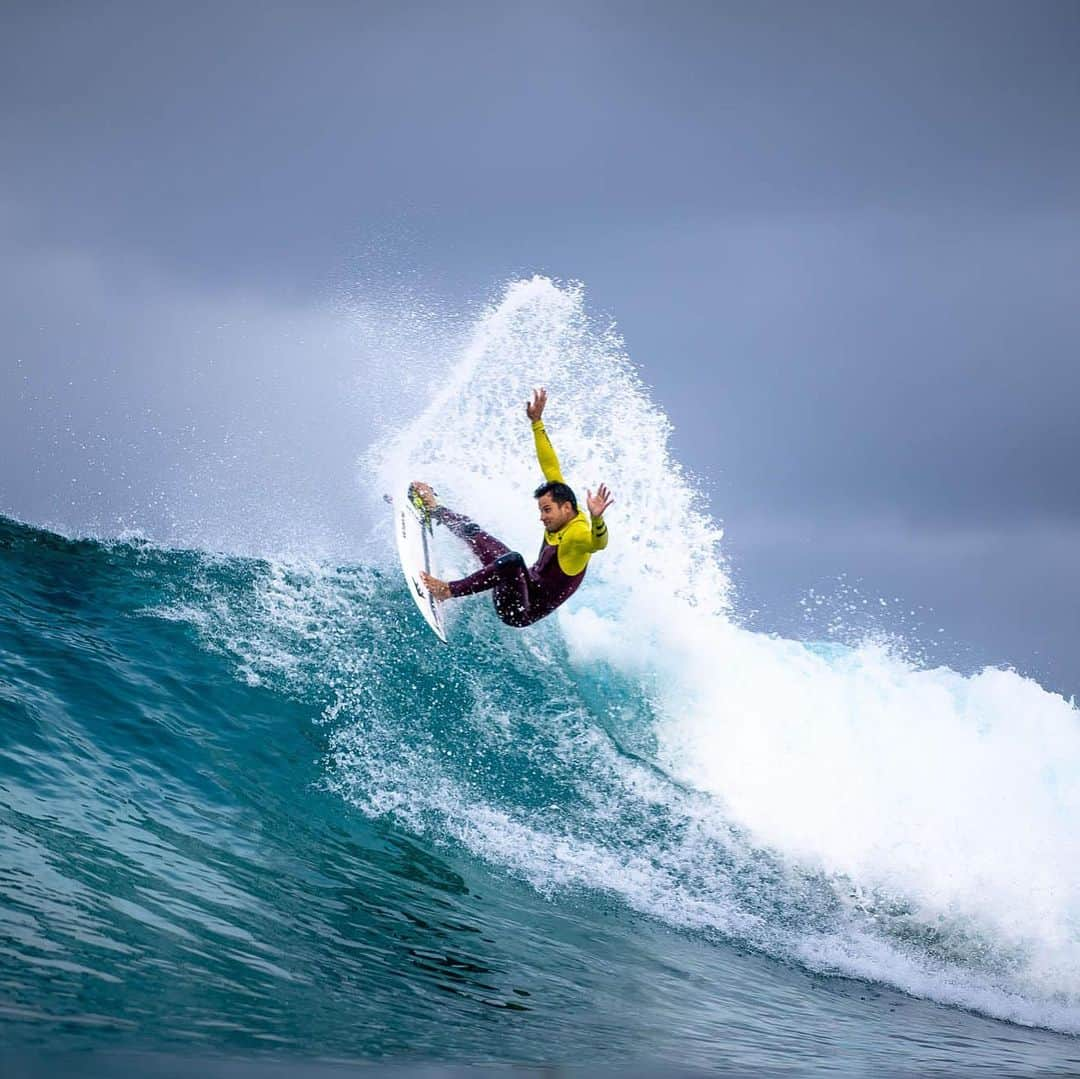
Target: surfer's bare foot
[[427, 495], [439, 589]]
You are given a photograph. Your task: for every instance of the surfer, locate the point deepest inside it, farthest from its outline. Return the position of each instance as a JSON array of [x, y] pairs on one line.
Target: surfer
[[525, 594]]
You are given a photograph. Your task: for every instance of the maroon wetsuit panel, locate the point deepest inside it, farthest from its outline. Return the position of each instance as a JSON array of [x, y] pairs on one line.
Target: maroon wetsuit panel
[[553, 586], [522, 595]]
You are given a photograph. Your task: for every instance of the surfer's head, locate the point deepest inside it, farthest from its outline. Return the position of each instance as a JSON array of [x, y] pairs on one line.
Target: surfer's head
[[557, 504]]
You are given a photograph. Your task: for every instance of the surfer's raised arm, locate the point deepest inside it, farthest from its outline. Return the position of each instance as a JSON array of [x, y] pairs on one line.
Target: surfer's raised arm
[[577, 538], [545, 452]]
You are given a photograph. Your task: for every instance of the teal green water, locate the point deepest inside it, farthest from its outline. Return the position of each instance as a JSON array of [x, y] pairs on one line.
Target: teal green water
[[254, 810]]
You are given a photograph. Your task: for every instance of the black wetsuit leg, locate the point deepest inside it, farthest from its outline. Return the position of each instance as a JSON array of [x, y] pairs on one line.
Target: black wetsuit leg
[[512, 586], [486, 547], [504, 571]]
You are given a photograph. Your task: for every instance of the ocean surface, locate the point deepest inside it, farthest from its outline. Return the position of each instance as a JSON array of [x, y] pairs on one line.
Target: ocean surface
[[253, 815]]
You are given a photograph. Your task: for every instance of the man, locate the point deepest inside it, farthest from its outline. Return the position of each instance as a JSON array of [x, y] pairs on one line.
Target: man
[[523, 595]]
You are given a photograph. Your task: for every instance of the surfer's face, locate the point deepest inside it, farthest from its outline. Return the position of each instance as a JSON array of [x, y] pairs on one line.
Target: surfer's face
[[554, 516]]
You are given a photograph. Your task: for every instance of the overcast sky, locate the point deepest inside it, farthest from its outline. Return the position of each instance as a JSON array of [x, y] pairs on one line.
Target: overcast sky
[[841, 240]]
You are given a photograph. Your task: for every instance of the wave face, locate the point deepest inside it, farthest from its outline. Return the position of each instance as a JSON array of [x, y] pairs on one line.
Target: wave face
[[252, 804]]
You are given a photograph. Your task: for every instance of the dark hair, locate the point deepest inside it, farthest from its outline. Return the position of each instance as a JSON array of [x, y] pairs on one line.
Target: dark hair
[[560, 492]]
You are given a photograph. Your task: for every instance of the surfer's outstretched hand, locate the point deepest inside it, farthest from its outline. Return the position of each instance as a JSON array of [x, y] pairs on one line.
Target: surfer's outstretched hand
[[439, 589], [534, 409], [600, 501]]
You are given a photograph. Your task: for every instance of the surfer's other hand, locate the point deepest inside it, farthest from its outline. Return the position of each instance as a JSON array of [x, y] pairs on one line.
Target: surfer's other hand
[[600, 501], [427, 495], [535, 409], [439, 589]]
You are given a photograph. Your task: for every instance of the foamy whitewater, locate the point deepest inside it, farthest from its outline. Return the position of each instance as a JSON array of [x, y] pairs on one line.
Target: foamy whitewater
[[637, 768], [933, 816]]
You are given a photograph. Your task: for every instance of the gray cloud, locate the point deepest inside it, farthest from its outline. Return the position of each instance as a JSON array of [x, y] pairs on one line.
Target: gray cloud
[[927, 367], [963, 595], [129, 400]]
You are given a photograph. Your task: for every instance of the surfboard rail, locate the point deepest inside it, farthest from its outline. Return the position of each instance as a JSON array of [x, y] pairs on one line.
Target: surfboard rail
[[415, 544]]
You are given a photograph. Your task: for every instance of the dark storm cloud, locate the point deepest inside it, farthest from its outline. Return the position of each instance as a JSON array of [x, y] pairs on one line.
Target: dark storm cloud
[[235, 135]]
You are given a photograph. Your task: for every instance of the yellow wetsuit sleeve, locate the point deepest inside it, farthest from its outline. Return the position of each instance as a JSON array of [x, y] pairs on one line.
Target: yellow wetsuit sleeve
[[579, 541], [545, 454]]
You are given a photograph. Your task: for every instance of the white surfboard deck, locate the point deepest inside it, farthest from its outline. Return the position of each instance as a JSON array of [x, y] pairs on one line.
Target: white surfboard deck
[[414, 543]]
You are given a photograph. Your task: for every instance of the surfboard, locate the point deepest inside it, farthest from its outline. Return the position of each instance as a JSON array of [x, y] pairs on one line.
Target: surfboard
[[415, 541]]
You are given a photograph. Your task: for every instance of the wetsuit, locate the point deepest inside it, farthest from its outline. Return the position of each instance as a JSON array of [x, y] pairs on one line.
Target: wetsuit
[[524, 595]]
